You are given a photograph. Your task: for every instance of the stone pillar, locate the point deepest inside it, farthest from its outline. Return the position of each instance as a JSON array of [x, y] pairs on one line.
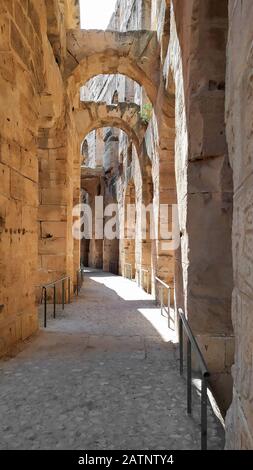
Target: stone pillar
[[53, 208], [209, 195], [146, 242], [130, 226]]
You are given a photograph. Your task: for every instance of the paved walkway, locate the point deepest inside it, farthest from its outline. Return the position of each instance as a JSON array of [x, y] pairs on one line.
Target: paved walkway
[[104, 375]]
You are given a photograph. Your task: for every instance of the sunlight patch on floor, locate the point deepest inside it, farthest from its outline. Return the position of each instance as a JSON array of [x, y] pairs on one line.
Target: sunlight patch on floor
[[127, 290], [160, 323], [130, 291]]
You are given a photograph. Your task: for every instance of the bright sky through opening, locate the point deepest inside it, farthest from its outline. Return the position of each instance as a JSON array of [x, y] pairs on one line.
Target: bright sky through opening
[[96, 14]]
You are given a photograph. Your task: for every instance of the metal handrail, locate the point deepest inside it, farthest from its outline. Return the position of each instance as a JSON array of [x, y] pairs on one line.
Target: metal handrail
[[161, 288], [128, 267], [205, 374], [142, 272], [53, 284]]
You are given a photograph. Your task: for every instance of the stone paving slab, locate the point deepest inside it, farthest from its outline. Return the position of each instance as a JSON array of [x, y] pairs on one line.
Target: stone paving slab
[[82, 384]]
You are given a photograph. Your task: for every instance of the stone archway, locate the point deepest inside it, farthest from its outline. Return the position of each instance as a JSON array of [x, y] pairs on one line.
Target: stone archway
[[135, 54], [126, 116]]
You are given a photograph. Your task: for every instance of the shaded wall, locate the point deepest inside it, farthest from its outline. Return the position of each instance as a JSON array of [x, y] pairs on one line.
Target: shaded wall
[[239, 114], [197, 62]]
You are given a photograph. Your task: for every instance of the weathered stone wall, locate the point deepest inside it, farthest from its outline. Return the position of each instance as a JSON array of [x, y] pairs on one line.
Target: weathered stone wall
[[131, 15], [31, 157], [22, 79], [239, 114], [197, 61]]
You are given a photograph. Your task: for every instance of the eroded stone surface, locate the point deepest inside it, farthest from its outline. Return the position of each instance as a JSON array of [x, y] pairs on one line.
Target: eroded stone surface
[[126, 116], [239, 135]]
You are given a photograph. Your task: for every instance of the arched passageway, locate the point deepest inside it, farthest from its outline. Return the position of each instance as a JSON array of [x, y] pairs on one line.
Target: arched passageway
[[100, 181], [189, 66], [126, 116], [135, 54]]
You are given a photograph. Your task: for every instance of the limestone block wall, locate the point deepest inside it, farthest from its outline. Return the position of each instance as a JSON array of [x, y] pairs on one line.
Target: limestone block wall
[[22, 80], [52, 214], [239, 106], [31, 159]]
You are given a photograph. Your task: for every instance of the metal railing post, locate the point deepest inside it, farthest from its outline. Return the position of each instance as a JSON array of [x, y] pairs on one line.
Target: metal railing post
[[181, 346], [204, 414], [54, 301], [45, 307], [161, 299], [63, 294], [157, 293], [189, 377], [69, 300], [192, 345], [169, 308], [53, 285]]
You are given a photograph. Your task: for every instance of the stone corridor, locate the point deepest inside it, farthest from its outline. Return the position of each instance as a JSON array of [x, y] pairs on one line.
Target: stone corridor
[[126, 149], [104, 375]]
